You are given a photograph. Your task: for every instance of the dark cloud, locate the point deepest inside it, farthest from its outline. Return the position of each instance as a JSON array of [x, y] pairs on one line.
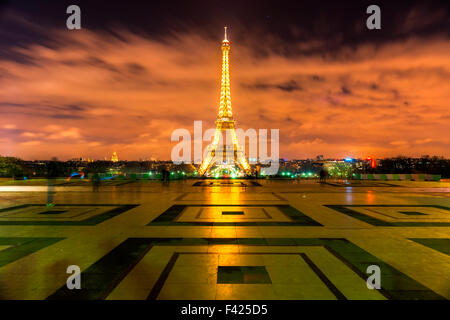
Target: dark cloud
[[287, 86], [293, 27], [317, 78], [345, 90], [100, 63], [65, 116], [6, 105], [136, 68], [74, 107]]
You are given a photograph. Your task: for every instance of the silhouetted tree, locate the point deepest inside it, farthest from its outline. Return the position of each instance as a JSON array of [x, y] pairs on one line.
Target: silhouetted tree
[[11, 167]]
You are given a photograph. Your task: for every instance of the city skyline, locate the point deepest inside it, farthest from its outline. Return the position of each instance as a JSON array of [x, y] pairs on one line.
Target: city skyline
[[124, 85]]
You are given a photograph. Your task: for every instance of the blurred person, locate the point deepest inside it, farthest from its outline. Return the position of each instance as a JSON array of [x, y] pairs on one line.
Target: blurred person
[[95, 182], [323, 174]]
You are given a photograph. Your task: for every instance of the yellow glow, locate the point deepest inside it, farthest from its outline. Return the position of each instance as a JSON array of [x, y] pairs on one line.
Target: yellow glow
[[114, 157]]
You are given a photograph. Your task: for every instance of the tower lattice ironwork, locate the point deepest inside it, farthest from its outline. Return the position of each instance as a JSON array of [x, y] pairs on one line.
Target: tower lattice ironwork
[[224, 154]]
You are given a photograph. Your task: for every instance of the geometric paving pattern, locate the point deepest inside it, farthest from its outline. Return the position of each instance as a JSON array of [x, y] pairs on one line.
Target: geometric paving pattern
[[266, 263], [219, 184], [242, 274], [441, 245], [61, 214], [225, 241], [259, 196], [222, 215], [361, 184], [12, 249], [225, 183], [397, 215]]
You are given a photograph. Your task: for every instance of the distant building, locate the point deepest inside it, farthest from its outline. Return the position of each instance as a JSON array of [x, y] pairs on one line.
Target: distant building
[[115, 157]]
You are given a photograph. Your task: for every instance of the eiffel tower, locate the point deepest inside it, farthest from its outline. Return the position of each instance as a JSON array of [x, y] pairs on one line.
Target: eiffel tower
[[224, 157]]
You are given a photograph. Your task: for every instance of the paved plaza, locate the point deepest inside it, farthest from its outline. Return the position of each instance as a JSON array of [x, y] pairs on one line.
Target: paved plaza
[[225, 239]]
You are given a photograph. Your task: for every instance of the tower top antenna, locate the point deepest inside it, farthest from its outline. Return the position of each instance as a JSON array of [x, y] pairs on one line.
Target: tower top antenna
[[225, 38]]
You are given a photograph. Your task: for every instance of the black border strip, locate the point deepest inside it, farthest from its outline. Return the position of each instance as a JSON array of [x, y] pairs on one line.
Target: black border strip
[[356, 270], [170, 216], [338, 294], [115, 211], [163, 277]]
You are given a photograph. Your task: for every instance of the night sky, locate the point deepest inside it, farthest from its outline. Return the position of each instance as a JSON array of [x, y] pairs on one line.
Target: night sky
[[137, 70]]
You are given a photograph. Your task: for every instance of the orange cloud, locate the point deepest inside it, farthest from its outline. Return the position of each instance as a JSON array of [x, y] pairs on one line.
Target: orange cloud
[[90, 94]]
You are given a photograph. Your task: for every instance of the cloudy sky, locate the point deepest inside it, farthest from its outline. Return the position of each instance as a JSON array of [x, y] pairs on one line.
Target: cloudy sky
[[139, 70]]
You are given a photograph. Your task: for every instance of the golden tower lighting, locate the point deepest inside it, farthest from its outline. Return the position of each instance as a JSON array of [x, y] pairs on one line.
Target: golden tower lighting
[[115, 157], [226, 157]]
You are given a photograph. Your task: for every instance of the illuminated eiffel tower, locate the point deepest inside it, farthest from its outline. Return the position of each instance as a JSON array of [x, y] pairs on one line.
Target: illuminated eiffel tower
[[225, 158]]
